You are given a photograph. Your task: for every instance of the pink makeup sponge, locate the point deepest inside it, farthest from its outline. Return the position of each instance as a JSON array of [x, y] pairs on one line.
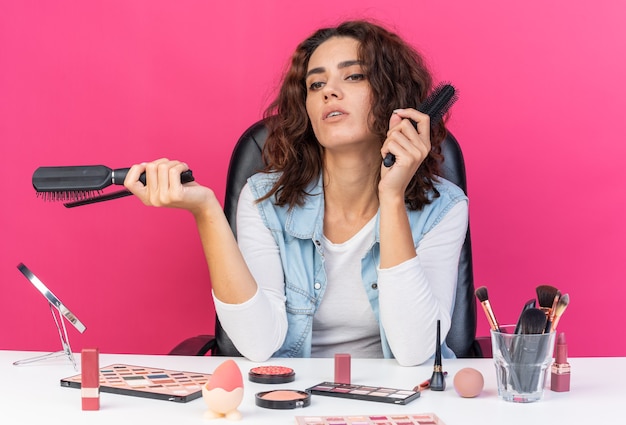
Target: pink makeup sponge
[[224, 392], [226, 376], [468, 382]]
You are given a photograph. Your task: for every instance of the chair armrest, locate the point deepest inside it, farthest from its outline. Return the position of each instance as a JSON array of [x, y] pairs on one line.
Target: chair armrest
[[198, 345]]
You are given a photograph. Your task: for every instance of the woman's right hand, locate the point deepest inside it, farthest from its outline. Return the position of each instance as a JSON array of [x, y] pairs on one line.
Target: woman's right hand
[[164, 189]]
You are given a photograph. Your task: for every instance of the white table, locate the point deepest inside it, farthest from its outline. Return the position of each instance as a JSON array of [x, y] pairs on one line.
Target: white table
[[32, 393]]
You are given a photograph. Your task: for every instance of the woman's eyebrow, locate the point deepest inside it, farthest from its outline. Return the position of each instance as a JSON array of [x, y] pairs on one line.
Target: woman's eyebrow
[[321, 69]]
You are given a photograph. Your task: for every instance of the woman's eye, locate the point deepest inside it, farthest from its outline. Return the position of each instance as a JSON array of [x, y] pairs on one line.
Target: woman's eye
[[316, 85], [356, 77]]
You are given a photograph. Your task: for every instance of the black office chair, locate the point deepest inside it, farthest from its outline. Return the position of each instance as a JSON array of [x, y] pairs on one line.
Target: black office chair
[[246, 159]]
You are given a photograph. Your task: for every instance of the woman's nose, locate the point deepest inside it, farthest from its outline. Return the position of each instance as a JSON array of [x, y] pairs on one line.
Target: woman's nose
[[331, 90]]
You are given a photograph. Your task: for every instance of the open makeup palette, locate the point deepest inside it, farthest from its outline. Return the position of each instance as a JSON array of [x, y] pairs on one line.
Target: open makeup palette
[[397, 419], [147, 382]]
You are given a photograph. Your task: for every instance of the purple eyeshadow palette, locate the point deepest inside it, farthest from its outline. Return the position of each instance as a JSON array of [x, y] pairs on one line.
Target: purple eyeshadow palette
[[402, 419], [364, 392], [138, 381]]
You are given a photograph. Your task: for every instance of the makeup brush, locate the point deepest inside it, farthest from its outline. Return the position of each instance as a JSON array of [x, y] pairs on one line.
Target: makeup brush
[[529, 348], [560, 308], [552, 312], [435, 106], [438, 379], [532, 322], [83, 184], [483, 296], [529, 304], [545, 297]]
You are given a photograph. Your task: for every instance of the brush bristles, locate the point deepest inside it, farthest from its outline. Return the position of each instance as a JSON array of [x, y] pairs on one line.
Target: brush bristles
[[482, 294], [68, 196], [545, 295], [562, 304], [560, 308], [532, 321], [438, 103]]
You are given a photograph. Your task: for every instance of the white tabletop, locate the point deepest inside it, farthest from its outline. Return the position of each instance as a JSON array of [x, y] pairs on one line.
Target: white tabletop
[[33, 394]]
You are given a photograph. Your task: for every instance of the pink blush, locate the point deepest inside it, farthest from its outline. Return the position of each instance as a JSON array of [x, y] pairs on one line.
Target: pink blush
[[283, 399], [283, 395]]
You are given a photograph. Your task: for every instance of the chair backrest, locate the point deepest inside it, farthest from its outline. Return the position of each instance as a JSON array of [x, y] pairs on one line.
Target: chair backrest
[[246, 160]]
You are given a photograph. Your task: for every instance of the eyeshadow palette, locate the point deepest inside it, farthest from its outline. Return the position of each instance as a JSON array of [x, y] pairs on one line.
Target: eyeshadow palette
[[138, 381], [364, 392], [402, 419]]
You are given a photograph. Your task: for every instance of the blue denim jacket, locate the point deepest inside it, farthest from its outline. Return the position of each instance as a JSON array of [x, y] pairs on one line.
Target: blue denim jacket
[[298, 234]]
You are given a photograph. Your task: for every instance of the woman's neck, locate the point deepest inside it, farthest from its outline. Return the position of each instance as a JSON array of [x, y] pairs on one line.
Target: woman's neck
[[350, 197]]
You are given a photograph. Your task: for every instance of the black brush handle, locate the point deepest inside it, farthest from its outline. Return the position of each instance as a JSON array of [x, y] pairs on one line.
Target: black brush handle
[[506, 353], [528, 348], [118, 176], [435, 106]]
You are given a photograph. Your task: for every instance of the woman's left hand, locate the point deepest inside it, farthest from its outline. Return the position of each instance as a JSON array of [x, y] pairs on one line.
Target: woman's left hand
[[409, 145]]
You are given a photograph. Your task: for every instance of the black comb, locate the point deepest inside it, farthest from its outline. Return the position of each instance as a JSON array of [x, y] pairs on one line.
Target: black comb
[[83, 185], [435, 106]]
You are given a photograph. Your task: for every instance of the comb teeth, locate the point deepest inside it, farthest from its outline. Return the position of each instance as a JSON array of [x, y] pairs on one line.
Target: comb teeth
[[68, 196]]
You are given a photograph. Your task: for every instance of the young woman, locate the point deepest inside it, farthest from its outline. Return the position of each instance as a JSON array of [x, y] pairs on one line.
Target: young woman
[[335, 251]]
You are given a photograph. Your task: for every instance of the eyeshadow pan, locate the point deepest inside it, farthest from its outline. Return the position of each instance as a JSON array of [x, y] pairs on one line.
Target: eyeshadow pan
[[397, 395], [158, 376], [323, 388]]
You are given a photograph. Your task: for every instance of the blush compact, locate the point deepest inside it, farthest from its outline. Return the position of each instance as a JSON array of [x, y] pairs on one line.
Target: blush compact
[[283, 399], [271, 374]]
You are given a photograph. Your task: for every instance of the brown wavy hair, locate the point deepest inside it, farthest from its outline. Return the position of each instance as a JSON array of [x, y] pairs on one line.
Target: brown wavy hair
[[398, 76]]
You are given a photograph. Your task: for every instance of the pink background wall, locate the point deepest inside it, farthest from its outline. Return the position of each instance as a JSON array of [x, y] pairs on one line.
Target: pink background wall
[[117, 82]]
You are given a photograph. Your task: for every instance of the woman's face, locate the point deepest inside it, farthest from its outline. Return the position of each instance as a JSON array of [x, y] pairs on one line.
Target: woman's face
[[338, 94]]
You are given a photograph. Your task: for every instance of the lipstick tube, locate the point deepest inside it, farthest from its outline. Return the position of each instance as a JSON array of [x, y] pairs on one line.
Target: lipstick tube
[[90, 378], [560, 376], [342, 368]]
